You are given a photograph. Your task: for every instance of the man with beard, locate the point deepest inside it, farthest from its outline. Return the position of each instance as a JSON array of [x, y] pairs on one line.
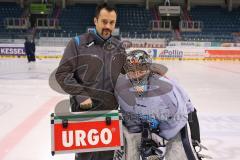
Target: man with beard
[[89, 69]]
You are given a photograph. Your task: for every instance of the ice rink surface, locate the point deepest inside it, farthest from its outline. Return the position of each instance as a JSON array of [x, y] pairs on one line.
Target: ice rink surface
[[26, 102]]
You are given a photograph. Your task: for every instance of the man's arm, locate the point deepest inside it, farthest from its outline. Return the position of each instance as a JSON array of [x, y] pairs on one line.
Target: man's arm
[[65, 71]]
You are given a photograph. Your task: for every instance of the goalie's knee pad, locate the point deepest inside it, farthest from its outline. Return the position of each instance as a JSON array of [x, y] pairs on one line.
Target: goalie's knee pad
[[180, 146]]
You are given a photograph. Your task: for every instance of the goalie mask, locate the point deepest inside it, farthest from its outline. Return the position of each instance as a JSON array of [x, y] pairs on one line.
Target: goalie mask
[[137, 67]]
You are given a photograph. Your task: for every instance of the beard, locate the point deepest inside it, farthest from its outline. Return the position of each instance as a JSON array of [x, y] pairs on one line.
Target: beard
[[106, 33]]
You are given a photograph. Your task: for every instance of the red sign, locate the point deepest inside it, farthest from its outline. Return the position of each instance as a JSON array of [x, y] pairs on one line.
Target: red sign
[[87, 135], [223, 53]]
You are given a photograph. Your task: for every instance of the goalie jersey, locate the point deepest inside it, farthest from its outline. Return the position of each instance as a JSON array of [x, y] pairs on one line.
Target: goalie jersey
[[163, 101]]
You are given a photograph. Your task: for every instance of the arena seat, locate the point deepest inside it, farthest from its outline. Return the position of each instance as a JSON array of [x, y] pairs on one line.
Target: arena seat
[[218, 23]]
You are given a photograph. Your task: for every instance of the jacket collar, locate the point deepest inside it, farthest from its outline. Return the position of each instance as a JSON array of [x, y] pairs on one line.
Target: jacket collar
[[97, 38]]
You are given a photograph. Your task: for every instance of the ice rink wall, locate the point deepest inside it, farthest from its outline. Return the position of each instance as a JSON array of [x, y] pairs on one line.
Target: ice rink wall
[[175, 50]]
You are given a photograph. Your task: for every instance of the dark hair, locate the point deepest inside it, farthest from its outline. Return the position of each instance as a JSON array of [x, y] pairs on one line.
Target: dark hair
[[106, 6]]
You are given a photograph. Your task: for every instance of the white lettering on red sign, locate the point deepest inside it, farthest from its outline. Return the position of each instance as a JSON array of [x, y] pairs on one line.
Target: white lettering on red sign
[[81, 137], [93, 138], [67, 142]]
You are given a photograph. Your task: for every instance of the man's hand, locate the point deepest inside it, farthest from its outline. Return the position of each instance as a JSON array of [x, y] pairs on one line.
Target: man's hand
[[87, 104], [139, 89]]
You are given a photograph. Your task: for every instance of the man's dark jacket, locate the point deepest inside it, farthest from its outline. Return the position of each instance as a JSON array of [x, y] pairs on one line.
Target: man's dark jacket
[[89, 68]]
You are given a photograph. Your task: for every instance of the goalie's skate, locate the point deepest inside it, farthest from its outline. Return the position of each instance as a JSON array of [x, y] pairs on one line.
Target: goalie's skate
[[201, 156], [198, 148]]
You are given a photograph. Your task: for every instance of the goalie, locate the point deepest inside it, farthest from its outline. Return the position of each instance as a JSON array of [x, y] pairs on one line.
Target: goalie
[[160, 121]]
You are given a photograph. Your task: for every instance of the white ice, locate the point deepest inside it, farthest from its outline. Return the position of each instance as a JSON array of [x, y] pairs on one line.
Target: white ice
[[25, 95]]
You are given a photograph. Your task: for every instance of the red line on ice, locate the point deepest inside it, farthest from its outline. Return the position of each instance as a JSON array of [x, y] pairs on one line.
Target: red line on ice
[[18, 133]]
